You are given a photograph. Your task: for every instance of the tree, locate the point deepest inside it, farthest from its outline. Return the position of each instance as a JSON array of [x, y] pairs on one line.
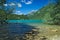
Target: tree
[[2, 11], [56, 13]]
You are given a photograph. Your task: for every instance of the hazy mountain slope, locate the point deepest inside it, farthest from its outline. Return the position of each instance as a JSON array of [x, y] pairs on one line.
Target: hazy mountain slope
[[16, 17], [43, 13]]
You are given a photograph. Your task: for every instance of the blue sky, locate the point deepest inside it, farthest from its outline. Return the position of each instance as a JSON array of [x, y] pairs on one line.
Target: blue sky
[[25, 6]]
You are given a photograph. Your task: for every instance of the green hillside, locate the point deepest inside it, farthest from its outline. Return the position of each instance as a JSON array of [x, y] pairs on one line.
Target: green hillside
[[16, 17], [43, 13], [49, 13]]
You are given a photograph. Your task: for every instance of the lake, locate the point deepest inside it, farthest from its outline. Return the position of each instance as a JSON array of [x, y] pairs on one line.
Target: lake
[[20, 26], [25, 21]]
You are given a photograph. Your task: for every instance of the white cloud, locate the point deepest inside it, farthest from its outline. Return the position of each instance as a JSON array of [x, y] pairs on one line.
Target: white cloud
[[22, 0], [12, 4], [18, 13], [19, 5], [5, 4], [32, 12], [29, 2]]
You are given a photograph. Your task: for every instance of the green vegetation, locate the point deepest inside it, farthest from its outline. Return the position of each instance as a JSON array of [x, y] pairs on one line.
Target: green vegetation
[[56, 13], [50, 13], [43, 13], [16, 17], [2, 11]]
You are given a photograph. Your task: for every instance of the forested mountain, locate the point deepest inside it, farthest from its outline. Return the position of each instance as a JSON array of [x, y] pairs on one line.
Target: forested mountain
[[16, 17], [49, 13], [43, 13]]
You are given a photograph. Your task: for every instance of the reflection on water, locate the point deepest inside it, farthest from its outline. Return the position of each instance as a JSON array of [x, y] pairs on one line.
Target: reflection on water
[[18, 28]]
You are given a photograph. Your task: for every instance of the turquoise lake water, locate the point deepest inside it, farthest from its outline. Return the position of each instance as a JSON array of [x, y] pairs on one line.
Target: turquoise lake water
[[20, 26], [25, 21]]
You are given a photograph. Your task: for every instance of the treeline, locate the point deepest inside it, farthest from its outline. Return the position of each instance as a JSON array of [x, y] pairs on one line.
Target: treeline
[[49, 13], [17, 17]]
